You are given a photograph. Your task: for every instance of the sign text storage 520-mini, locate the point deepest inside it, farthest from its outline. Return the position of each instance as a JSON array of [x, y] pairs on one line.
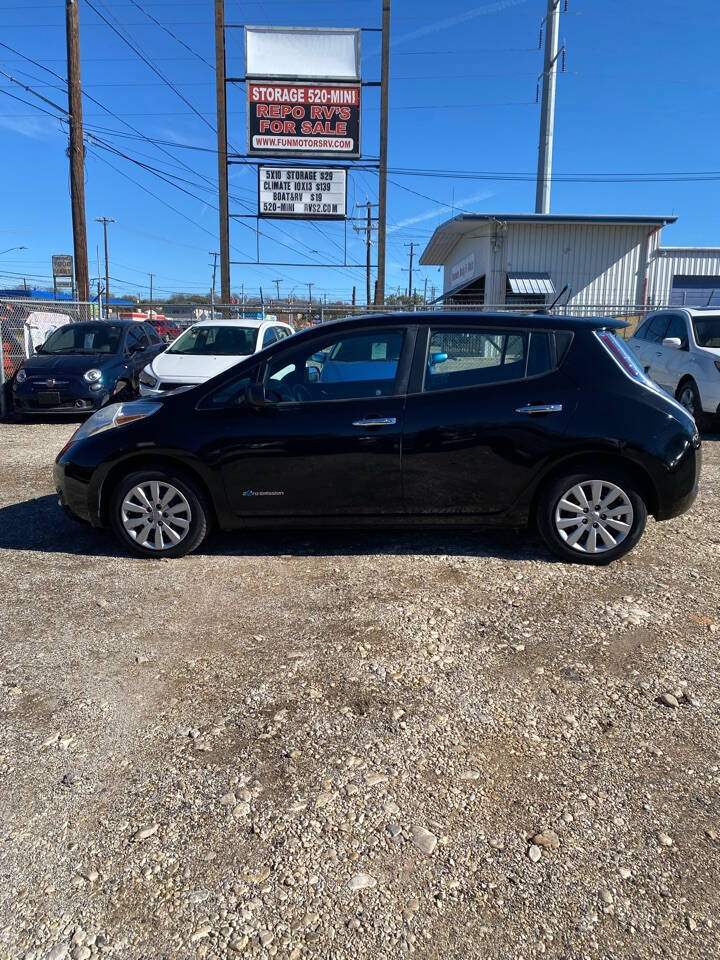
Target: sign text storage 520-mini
[[302, 192], [310, 119]]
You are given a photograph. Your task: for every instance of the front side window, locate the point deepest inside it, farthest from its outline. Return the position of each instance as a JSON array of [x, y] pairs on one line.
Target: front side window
[[232, 393], [657, 328], [339, 368], [707, 331], [469, 358], [84, 338], [136, 339], [216, 340], [676, 328], [269, 337], [152, 334]]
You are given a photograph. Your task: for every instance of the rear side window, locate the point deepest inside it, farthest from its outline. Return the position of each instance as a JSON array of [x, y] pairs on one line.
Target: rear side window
[[539, 355], [563, 339], [468, 358], [269, 337]]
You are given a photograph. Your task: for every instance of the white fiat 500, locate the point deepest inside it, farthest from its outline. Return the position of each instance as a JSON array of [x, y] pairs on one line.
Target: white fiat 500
[[206, 349]]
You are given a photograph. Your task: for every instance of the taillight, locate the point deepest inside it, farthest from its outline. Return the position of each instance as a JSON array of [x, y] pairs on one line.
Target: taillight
[[621, 355]]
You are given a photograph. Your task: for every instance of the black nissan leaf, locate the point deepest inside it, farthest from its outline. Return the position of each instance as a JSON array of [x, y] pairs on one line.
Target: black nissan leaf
[[420, 419]]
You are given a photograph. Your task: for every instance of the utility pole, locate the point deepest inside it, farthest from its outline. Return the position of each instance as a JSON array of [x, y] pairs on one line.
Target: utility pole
[[214, 255], [367, 229], [412, 246], [310, 286], [384, 115], [151, 296], [547, 116], [222, 147], [425, 292], [105, 221], [77, 151], [277, 287]]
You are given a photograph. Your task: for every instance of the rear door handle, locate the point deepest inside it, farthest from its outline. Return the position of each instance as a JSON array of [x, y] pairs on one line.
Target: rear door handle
[[376, 422], [540, 408]]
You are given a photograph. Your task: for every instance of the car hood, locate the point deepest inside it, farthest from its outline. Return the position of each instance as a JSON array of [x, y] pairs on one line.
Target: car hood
[[70, 363], [185, 367], [710, 351]]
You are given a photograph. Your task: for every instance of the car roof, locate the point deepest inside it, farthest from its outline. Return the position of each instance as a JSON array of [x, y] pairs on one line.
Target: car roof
[[238, 322], [112, 322], [526, 321]]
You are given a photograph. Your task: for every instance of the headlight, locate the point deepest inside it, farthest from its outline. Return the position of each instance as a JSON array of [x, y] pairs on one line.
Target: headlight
[[115, 415], [92, 376], [21, 376], [146, 377]]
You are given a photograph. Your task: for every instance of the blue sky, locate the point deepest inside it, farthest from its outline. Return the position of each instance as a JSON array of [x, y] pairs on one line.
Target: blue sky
[[640, 95]]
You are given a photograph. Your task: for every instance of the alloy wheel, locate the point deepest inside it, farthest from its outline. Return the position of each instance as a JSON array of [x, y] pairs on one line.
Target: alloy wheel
[[156, 515], [687, 399], [594, 516]]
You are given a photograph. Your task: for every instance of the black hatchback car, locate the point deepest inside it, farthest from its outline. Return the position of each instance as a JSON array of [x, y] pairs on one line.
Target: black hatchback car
[[83, 365], [405, 419]]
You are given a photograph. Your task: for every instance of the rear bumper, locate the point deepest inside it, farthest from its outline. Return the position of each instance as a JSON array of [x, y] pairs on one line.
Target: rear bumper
[[680, 487]]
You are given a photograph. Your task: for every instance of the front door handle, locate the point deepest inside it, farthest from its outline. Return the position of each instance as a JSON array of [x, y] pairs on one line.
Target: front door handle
[[376, 422], [540, 408]]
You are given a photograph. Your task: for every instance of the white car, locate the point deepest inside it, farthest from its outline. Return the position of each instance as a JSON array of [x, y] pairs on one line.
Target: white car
[[206, 349], [679, 347]]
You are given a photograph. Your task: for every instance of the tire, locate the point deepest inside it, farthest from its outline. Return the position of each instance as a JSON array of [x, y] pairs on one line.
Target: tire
[[188, 513], [688, 396], [587, 540]]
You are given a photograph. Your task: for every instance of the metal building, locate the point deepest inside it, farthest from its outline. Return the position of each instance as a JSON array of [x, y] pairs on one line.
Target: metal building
[[608, 262]]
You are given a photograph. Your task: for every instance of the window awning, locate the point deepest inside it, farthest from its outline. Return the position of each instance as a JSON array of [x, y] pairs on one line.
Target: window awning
[[531, 283]]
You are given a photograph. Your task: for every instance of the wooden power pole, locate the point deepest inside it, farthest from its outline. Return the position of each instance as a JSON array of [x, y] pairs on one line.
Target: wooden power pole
[[222, 151], [382, 192], [77, 151]]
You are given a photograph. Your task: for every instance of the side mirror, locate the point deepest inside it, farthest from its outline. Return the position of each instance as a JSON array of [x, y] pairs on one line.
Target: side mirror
[[438, 358], [675, 343], [319, 357]]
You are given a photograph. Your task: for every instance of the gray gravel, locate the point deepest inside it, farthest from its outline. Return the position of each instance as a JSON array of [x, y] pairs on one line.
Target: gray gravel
[[354, 745]]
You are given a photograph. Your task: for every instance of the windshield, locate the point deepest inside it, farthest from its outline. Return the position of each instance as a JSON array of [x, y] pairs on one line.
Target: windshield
[[216, 341], [84, 338], [707, 331]]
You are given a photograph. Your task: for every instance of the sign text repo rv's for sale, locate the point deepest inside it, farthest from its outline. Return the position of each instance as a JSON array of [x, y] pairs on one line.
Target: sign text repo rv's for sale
[[312, 119]]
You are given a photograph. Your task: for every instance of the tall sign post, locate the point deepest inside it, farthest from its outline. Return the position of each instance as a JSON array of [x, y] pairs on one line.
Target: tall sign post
[[62, 271], [222, 151], [384, 118]]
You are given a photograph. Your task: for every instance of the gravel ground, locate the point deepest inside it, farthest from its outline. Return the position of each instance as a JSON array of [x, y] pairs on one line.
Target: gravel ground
[[354, 745]]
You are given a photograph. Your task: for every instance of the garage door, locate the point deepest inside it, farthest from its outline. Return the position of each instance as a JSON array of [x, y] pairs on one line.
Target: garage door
[[694, 291]]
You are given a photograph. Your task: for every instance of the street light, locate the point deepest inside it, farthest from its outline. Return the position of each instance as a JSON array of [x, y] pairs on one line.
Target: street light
[[10, 250]]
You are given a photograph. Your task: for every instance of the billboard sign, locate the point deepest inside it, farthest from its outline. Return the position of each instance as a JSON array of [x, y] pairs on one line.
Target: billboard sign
[[62, 265], [303, 119], [302, 53], [307, 193]]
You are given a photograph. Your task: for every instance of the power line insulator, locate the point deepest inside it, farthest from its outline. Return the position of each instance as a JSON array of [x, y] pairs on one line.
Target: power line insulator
[[563, 60], [540, 42], [565, 8], [537, 93]]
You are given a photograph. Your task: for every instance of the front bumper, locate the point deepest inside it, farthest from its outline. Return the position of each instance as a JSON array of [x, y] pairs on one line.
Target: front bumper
[[72, 399], [72, 493]]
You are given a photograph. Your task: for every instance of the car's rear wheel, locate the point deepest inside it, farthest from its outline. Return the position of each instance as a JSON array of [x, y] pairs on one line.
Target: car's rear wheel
[[591, 516], [157, 513]]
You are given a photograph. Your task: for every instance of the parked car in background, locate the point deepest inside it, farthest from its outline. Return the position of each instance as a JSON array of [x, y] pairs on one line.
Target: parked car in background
[[166, 329], [81, 366], [408, 419], [679, 348], [206, 349]]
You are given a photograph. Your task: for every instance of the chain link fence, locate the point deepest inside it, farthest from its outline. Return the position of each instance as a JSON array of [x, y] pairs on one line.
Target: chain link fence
[[27, 323]]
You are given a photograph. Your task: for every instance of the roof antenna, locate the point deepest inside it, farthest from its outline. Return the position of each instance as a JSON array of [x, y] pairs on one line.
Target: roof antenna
[[566, 289]]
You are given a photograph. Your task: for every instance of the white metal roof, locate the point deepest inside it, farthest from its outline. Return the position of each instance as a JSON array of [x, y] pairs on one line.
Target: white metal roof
[[449, 233]]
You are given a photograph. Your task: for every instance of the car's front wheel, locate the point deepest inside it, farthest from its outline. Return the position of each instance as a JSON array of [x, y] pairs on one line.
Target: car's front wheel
[[158, 513], [591, 516], [688, 395]]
